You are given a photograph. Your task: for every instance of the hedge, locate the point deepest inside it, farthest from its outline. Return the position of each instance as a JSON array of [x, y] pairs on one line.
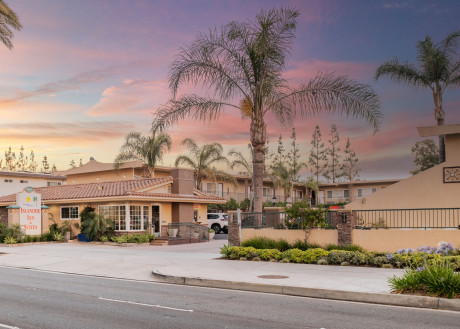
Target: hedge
[[341, 257]]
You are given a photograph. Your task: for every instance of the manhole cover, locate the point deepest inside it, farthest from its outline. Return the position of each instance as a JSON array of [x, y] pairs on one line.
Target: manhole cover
[[2, 253], [273, 277]]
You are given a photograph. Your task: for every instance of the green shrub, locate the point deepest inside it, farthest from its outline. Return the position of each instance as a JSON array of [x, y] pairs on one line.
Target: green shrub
[[351, 247], [57, 236], [302, 245], [238, 252], [27, 239], [119, 239], [294, 255], [104, 238], [313, 255], [36, 238], [10, 240], [267, 243], [45, 237], [380, 260], [267, 254], [438, 279], [225, 251], [337, 256], [322, 261]]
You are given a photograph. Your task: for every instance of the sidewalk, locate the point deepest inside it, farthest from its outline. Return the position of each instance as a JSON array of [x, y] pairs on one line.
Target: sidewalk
[[199, 265]]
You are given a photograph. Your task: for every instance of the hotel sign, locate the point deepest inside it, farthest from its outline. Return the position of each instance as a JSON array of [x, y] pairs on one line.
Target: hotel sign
[[30, 216]]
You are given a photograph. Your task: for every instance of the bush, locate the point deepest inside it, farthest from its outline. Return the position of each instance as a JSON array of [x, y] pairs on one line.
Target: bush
[[439, 280], [10, 240], [267, 243], [304, 246], [351, 247], [57, 236], [267, 254]]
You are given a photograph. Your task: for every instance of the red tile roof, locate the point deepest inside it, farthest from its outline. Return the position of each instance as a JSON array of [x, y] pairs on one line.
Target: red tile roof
[[109, 190]]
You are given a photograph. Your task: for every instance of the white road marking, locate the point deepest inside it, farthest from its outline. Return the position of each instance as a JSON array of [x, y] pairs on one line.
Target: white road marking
[[7, 326], [142, 304]]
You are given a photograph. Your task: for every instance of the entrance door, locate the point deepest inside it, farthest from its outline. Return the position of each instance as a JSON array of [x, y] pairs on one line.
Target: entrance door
[[156, 219], [221, 190]]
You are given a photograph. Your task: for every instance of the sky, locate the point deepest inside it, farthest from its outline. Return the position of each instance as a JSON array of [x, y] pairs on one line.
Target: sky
[[83, 74]]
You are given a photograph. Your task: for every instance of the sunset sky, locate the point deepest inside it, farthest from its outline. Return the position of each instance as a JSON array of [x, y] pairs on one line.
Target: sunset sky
[[85, 73]]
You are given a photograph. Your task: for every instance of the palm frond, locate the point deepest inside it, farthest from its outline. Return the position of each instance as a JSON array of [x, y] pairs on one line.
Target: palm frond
[[192, 106], [330, 93], [401, 72]]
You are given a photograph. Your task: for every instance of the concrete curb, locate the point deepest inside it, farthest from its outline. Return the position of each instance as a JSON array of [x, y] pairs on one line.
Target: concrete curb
[[362, 297]]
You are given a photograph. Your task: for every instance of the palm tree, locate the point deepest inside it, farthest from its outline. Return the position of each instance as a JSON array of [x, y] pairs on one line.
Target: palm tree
[[8, 21], [436, 70], [148, 149], [202, 160], [242, 63], [281, 177], [241, 161]]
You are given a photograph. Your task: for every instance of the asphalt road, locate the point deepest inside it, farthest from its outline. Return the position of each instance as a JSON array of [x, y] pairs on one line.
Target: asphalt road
[[33, 299]]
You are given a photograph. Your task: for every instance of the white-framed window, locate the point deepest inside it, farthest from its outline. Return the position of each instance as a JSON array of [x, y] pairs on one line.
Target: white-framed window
[[362, 192], [127, 217], [24, 181], [135, 215], [116, 213], [68, 213], [338, 194], [145, 215], [8, 181], [55, 183]]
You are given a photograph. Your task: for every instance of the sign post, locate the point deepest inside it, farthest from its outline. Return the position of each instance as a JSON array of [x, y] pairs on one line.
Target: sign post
[[30, 216]]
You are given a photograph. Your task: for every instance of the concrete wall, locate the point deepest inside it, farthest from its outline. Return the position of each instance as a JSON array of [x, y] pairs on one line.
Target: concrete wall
[[322, 237], [391, 240]]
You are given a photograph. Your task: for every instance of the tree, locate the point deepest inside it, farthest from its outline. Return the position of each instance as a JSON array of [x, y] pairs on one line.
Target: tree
[[9, 21], [317, 154], [46, 166], [22, 161], [349, 165], [438, 68], [53, 169], [10, 160], [241, 161], [279, 157], [243, 63], [32, 164], [332, 166], [281, 177], [72, 164], [426, 155], [202, 160], [293, 159], [148, 149], [81, 163]]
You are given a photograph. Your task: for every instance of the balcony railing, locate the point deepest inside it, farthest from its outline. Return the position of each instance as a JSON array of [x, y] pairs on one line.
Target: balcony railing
[[241, 196]]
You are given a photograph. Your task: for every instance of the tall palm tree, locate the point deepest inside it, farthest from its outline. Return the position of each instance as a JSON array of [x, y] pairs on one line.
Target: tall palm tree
[[149, 149], [438, 68], [8, 20], [242, 63], [202, 160]]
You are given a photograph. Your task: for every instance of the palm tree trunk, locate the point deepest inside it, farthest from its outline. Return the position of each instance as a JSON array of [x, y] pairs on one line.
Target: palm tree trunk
[[439, 116], [258, 138]]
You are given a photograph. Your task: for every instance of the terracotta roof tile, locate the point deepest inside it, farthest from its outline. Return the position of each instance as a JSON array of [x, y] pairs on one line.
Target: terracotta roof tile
[[92, 190]]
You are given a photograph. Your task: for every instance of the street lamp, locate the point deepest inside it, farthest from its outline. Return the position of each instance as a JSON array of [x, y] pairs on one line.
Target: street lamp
[[274, 200]]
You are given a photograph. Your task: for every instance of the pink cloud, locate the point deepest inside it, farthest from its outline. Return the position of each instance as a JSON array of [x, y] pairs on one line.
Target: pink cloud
[[130, 97]]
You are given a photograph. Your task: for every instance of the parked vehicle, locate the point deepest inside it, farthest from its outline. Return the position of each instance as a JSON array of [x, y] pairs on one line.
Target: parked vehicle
[[218, 222]]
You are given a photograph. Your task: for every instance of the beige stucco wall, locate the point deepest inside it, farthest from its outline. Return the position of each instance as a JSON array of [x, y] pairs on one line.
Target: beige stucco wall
[[424, 190], [203, 214], [393, 239], [322, 237]]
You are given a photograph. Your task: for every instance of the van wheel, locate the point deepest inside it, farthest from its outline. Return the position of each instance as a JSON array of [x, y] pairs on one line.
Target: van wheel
[[216, 228]]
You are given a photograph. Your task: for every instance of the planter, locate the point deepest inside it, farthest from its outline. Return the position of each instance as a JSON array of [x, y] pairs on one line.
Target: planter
[[67, 236], [211, 236], [83, 238], [172, 232]]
